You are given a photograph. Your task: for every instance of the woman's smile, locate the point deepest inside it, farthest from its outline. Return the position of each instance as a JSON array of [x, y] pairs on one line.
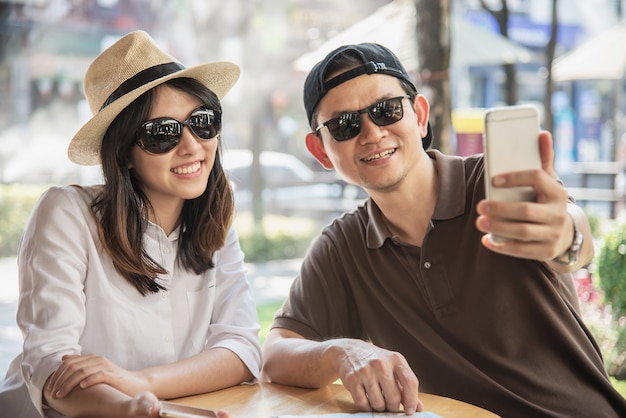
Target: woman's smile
[[187, 169]]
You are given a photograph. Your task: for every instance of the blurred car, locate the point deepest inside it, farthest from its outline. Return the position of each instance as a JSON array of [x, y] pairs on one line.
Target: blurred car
[[290, 187]]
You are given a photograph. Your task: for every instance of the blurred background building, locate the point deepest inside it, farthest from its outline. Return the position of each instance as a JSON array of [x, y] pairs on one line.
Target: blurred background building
[[46, 46]]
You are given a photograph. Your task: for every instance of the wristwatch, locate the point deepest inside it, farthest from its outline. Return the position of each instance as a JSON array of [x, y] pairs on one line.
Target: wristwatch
[[570, 256]]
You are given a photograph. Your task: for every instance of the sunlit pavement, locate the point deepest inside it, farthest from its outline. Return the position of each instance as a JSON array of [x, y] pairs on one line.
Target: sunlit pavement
[[269, 281]]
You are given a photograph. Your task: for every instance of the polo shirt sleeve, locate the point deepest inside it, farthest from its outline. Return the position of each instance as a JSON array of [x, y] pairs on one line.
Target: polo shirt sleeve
[[321, 303]]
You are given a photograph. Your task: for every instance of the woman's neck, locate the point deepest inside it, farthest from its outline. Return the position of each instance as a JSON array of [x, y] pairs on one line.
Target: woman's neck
[[166, 216]]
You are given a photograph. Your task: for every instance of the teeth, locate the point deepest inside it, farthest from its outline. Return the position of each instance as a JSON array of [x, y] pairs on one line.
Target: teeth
[[379, 156], [188, 169]]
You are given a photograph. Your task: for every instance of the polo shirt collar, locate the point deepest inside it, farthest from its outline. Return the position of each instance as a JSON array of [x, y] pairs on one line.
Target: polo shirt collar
[[450, 202]]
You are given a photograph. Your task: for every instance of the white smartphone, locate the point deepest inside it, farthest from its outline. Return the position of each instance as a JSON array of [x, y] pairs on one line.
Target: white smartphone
[[510, 143], [174, 410]]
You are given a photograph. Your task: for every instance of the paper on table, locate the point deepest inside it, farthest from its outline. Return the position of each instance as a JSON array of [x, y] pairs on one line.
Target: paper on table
[[363, 415]]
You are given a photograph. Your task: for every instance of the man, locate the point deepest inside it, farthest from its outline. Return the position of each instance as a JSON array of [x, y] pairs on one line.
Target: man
[[410, 285]]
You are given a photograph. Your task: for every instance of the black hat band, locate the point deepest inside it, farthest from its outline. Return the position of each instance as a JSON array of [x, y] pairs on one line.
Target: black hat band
[[143, 77]]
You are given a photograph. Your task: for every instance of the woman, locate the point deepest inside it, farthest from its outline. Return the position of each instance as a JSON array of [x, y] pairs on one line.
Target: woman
[[135, 290]]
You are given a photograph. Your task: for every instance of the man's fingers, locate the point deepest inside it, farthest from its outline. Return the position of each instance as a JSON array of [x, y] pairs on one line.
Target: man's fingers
[[359, 396], [376, 398], [382, 395], [546, 151], [410, 391]]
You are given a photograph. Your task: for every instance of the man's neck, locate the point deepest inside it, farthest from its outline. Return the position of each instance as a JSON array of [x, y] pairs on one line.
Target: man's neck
[[408, 210]]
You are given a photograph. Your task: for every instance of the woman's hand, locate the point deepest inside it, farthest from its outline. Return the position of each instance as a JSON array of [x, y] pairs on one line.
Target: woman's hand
[[85, 371], [144, 404], [105, 401]]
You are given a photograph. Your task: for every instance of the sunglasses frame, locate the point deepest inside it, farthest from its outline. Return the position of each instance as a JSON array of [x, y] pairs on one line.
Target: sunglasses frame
[[358, 113], [173, 139]]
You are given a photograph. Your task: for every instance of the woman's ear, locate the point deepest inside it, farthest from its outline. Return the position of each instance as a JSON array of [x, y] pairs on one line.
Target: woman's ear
[[316, 147]]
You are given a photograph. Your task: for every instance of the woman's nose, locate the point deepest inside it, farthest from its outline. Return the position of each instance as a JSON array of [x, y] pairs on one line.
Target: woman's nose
[[188, 141]]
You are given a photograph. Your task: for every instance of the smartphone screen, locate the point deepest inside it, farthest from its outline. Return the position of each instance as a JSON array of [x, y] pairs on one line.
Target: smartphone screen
[[174, 410], [511, 143]]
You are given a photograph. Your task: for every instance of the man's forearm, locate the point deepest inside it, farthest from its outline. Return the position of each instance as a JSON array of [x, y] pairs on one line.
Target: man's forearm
[[300, 362]]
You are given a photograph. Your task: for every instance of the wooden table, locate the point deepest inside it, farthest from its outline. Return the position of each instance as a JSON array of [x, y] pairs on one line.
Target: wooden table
[[263, 400]]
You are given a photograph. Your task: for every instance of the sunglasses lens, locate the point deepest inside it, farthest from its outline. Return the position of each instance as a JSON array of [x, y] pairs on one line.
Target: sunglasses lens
[[386, 112], [205, 123], [383, 113], [160, 135], [345, 126]]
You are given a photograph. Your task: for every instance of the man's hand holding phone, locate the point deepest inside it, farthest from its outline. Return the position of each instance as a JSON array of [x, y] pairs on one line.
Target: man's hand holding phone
[[511, 144], [531, 220]]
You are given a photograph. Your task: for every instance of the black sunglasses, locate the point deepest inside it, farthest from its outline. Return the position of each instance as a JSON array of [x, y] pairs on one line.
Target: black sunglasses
[[161, 135], [348, 125]]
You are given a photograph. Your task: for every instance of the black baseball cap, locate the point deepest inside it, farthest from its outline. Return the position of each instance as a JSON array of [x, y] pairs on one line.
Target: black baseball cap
[[376, 59]]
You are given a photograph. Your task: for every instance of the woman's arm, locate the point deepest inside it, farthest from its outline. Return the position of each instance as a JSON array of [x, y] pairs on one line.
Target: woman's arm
[[206, 372], [231, 354], [232, 351], [52, 263], [102, 401], [61, 273]]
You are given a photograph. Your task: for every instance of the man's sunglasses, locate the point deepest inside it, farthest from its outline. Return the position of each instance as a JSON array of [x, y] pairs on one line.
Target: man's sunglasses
[[348, 125], [161, 135]]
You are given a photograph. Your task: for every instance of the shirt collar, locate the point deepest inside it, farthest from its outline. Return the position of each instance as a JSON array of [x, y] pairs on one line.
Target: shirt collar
[[450, 202], [156, 232]]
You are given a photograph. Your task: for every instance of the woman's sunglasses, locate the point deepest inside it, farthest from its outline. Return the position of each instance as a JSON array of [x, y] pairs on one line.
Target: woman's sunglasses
[[161, 135], [348, 125]]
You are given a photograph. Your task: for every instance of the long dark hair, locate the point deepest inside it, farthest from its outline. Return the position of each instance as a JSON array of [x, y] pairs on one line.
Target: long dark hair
[[121, 207]]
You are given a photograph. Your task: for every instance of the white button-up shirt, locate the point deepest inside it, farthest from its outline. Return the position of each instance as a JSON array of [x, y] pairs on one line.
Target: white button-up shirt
[[73, 301]]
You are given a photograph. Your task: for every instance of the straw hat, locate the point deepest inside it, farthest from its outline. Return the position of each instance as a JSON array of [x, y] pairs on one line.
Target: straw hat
[[122, 73]]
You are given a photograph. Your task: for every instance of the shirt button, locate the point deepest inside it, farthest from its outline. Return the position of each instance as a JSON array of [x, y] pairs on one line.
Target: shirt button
[[166, 250], [168, 339], [164, 295], [427, 265]]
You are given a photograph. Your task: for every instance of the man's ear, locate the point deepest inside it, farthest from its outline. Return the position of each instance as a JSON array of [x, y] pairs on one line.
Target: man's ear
[[316, 148], [422, 111]]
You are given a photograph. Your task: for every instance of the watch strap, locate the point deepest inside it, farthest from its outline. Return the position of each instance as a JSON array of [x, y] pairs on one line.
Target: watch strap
[[570, 256]]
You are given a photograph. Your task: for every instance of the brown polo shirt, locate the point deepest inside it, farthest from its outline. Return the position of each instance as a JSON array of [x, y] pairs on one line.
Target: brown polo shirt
[[496, 331]]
